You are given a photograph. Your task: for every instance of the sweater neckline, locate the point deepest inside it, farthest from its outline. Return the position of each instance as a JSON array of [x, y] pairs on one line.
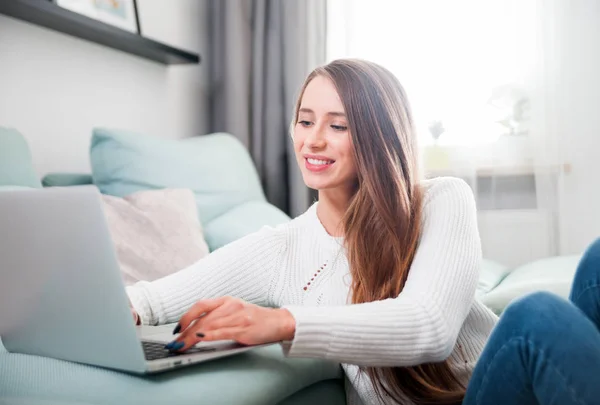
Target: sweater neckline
[[338, 240]]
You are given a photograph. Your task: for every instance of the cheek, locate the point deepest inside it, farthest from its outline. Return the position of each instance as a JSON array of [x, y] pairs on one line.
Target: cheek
[[346, 149], [298, 136]]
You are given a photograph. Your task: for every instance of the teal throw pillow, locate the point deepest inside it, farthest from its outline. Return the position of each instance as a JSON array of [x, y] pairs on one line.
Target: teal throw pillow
[[216, 167]]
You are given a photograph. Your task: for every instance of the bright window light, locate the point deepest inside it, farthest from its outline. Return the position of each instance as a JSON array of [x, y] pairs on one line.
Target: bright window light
[[463, 63]]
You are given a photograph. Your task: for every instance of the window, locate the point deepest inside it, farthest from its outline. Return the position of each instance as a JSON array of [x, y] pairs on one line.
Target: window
[[465, 64]]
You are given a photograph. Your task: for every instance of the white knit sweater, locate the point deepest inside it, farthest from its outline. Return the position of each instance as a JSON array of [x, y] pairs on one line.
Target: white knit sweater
[[299, 266]]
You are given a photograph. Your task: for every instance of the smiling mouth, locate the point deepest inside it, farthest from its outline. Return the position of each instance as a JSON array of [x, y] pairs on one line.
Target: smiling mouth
[[318, 165], [319, 162]]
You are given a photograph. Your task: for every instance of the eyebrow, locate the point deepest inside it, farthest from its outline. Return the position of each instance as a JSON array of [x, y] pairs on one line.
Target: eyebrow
[[332, 113]]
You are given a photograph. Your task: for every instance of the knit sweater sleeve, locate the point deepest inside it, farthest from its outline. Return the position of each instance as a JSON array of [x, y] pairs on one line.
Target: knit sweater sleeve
[[422, 324], [244, 269]]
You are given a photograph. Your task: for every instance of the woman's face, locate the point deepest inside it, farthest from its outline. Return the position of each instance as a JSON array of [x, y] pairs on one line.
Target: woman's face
[[322, 140]]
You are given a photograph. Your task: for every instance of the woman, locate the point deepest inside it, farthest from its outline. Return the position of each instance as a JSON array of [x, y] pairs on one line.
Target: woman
[[379, 275]]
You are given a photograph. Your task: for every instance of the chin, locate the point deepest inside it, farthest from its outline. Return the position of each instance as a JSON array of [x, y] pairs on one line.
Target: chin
[[326, 181], [316, 184], [320, 184]]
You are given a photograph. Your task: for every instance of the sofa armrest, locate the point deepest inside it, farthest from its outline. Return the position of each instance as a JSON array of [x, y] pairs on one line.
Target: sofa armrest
[[16, 165], [67, 179]]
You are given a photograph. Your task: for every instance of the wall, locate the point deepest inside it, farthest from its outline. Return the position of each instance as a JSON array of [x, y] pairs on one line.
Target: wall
[[578, 121], [55, 88]]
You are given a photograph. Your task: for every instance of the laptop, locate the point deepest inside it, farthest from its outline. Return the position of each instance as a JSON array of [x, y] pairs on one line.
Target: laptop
[[77, 309]]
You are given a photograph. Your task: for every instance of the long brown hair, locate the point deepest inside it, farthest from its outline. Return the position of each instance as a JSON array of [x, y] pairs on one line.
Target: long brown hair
[[382, 224]]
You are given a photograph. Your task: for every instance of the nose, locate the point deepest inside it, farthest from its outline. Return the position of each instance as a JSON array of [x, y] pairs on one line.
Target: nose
[[316, 138]]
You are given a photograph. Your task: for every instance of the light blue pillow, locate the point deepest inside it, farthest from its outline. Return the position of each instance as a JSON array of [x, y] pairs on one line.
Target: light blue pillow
[[217, 168], [241, 221], [554, 274]]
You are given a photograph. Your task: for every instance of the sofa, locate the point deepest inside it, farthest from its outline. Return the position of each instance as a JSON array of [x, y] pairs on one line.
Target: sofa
[[231, 204]]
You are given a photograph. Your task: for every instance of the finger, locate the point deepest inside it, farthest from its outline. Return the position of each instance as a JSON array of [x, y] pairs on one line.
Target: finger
[[197, 310], [222, 314], [233, 333], [232, 313], [218, 334], [238, 319]]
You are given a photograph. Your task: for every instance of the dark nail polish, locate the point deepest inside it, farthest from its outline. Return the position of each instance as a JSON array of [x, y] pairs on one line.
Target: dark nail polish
[[200, 335], [177, 329], [169, 345], [177, 346]]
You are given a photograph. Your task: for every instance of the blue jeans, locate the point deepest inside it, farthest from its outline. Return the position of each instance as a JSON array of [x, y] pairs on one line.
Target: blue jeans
[[545, 350]]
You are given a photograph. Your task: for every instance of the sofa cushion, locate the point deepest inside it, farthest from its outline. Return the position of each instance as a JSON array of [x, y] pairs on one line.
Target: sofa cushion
[[67, 179], [262, 376], [240, 221], [155, 232], [13, 188], [330, 392], [217, 168], [554, 274], [16, 166]]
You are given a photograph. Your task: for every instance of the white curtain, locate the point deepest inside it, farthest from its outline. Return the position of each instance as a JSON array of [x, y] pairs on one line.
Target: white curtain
[[481, 79]]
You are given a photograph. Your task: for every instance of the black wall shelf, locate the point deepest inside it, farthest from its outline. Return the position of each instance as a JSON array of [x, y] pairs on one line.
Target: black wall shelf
[[50, 15]]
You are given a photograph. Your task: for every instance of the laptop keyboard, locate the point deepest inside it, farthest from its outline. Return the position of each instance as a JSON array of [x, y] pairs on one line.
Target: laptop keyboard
[[155, 351]]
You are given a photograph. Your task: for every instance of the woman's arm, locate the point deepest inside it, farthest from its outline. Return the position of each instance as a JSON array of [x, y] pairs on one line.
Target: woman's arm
[[420, 325], [242, 269]]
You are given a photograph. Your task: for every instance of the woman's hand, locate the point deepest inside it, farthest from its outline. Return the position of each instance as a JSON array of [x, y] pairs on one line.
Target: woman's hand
[[228, 318]]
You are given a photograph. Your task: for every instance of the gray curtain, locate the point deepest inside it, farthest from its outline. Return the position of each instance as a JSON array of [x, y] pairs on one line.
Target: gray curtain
[[260, 53]]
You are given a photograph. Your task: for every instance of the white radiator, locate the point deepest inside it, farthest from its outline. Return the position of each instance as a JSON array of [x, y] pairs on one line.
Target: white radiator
[[515, 237]]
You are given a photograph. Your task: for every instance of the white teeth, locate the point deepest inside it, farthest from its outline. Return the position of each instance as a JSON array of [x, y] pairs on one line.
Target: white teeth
[[319, 162]]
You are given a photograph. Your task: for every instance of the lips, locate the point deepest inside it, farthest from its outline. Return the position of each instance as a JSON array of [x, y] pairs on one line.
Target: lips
[[317, 164], [319, 161]]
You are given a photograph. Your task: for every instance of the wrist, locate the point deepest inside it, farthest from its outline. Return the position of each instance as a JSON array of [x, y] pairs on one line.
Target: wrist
[[288, 325]]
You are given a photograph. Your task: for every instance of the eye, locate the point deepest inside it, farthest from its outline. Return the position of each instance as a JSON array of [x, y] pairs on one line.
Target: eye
[[305, 123], [340, 128]]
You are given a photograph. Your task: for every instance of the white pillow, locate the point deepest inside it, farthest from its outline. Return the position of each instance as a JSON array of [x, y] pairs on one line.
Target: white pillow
[[491, 274], [552, 274], [155, 232]]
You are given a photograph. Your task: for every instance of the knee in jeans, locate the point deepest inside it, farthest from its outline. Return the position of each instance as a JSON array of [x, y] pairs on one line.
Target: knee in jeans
[[592, 254], [595, 244], [536, 305]]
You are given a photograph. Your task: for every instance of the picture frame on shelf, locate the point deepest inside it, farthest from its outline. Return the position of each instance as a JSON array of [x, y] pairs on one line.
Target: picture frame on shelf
[[122, 14]]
